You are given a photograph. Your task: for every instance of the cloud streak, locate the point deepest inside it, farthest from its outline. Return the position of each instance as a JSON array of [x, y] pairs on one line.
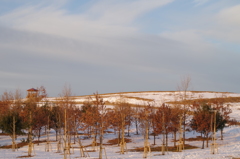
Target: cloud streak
[[103, 48]]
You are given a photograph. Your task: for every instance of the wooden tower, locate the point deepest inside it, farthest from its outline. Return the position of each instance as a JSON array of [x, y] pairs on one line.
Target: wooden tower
[[32, 93]]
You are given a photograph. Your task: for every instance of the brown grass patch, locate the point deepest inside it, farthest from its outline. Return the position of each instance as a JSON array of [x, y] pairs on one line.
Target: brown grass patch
[[115, 141], [21, 144], [159, 148], [197, 138], [90, 145], [110, 132], [90, 151], [24, 156], [210, 100]]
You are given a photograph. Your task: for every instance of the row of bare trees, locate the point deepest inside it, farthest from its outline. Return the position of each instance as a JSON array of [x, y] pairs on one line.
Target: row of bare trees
[[35, 115]]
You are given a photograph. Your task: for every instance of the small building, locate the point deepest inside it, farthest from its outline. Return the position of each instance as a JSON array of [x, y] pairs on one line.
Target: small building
[[32, 93]]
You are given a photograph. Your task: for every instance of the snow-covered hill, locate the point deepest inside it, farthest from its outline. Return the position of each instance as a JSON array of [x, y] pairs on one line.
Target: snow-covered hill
[[158, 97]]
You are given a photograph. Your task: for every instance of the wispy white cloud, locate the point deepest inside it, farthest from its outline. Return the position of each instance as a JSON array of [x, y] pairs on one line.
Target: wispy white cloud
[[103, 19], [227, 25], [100, 29], [123, 11], [230, 16], [200, 2], [102, 42]]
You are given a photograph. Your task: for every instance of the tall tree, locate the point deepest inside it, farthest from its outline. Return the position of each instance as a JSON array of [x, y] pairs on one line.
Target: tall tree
[[102, 119], [136, 118], [67, 104], [183, 88], [28, 113], [224, 109], [202, 121]]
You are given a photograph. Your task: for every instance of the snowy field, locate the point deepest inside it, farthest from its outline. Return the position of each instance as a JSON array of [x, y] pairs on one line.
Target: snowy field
[[142, 98], [228, 148]]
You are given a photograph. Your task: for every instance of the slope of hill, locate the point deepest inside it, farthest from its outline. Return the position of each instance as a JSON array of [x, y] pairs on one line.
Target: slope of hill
[[158, 97]]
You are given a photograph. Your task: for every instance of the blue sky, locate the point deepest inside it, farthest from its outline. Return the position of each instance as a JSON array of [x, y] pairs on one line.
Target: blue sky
[[119, 45]]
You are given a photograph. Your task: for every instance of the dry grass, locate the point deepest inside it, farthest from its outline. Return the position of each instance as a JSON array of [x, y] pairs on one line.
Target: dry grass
[[159, 148], [24, 156], [115, 141], [209, 100], [197, 138], [19, 145]]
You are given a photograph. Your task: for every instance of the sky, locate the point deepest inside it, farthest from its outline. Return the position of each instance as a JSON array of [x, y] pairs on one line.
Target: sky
[[119, 45]]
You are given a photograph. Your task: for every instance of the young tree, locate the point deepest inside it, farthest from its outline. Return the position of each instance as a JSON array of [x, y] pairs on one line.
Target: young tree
[[145, 125], [102, 119], [90, 119], [202, 121], [136, 118], [175, 120], [42, 112], [183, 89], [40, 119], [5, 103], [31, 115], [10, 120], [124, 111], [56, 120], [224, 110], [67, 104], [12, 124], [163, 119]]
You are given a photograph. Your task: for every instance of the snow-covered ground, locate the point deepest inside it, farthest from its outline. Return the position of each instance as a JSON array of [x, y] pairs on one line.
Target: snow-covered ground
[[228, 148]]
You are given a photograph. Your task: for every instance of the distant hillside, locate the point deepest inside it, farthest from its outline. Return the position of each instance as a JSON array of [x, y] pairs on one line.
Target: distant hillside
[[158, 97]]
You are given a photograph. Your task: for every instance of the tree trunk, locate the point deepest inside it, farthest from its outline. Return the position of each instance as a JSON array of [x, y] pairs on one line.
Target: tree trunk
[[45, 129], [136, 127], [56, 135], [207, 139], [122, 139], [222, 134], [14, 135], [119, 137], [175, 137], [13, 144], [166, 140], [101, 142], [128, 130], [154, 139], [39, 134], [30, 136], [203, 142], [184, 126], [148, 134]]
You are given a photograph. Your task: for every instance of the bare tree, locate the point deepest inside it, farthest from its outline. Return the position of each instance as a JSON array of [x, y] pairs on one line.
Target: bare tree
[[183, 87], [67, 104], [102, 121], [124, 110], [136, 118], [224, 109], [11, 122]]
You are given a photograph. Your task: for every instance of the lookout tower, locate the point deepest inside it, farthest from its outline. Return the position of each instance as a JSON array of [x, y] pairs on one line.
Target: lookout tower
[[32, 92]]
